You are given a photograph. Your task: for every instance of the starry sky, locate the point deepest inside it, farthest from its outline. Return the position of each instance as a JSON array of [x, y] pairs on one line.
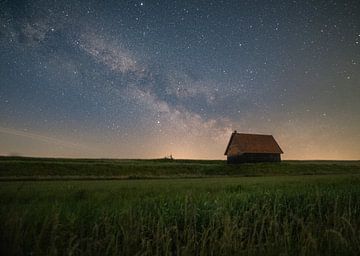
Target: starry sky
[[145, 79]]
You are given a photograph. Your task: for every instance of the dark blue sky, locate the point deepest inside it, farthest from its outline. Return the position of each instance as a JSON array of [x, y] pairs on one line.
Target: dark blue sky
[[150, 78]]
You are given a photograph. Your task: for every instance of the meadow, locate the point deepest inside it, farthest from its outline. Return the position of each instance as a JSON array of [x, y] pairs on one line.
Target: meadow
[[24, 168], [226, 213]]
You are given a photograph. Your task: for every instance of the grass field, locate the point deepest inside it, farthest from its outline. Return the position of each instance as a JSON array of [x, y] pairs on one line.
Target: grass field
[[48, 168], [280, 213]]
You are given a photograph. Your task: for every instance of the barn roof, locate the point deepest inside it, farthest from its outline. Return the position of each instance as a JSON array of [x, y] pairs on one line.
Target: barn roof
[[252, 143]]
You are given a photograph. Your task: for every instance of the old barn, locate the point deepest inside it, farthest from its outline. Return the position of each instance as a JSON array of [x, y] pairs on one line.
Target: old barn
[[252, 148]]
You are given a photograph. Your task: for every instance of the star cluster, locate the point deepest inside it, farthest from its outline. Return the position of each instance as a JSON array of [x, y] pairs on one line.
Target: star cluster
[[151, 78]]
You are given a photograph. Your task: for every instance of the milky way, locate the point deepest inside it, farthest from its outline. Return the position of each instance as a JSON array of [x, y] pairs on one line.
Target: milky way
[[145, 79]]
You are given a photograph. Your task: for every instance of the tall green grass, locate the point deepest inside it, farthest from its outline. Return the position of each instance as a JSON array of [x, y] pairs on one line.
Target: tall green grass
[[294, 215], [34, 168]]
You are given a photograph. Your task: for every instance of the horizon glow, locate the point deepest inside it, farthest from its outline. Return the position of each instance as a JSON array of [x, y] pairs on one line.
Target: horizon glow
[[145, 79]]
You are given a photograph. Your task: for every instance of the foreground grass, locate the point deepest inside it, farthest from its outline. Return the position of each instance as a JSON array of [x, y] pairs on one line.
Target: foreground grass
[[37, 168], [287, 215]]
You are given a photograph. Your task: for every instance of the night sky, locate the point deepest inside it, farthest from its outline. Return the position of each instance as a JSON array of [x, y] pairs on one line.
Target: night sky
[[145, 79]]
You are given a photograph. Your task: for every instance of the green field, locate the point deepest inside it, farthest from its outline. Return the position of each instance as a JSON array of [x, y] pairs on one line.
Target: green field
[[47, 168], [276, 212]]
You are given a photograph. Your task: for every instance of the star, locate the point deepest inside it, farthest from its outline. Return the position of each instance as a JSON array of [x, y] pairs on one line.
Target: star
[[194, 69]]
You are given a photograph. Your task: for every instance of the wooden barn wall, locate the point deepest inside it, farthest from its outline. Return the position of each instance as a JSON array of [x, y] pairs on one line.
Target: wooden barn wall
[[254, 158]]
